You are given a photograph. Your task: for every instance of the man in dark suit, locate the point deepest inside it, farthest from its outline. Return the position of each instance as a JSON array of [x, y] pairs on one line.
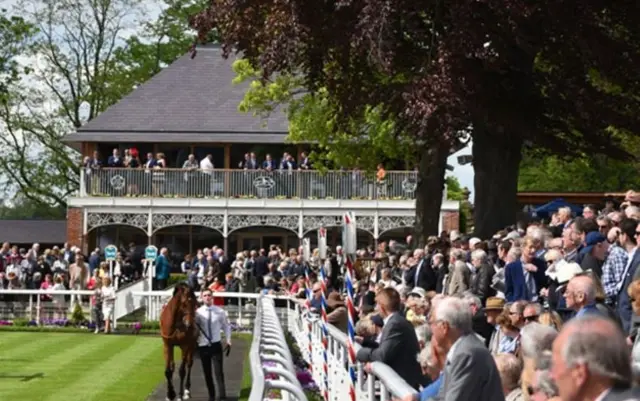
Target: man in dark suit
[[423, 274], [261, 267], [629, 229], [591, 361], [470, 373], [398, 347]]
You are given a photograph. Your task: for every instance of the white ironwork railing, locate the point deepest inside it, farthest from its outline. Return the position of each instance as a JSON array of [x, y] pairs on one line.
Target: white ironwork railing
[[302, 184], [269, 346]]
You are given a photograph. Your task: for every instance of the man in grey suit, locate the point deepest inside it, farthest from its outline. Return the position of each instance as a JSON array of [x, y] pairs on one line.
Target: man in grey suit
[[591, 361], [470, 372], [399, 346]]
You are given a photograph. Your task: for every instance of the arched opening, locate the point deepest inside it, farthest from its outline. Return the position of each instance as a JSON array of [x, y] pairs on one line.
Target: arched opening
[[184, 239], [334, 237], [398, 234], [255, 238], [119, 235]]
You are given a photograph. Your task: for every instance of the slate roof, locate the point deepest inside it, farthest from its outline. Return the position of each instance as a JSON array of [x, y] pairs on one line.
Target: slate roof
[[30, 231], [192, 100]]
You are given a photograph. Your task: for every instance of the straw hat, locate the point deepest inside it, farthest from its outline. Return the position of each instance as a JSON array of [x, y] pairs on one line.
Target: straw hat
[[494, 303]]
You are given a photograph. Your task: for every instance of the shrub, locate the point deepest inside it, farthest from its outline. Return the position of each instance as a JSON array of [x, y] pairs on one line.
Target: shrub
[[175, 278], [77, 317]]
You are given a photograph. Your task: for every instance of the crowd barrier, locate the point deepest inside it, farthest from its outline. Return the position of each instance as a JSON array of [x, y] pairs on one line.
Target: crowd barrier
[[272, 366], [266, 315]]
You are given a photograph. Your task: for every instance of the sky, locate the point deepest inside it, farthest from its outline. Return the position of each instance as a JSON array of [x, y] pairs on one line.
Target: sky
[[465, 173]]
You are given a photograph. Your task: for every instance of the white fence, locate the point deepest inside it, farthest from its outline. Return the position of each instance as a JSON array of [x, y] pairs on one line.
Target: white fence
[[269, 346], [248, 310], [383, 383]]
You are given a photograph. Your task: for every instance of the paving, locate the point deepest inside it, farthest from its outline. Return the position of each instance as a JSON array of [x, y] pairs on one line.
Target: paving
[[233, 370]]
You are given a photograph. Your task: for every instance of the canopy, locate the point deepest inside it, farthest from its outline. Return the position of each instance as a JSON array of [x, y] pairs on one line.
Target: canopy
[[549, 208]]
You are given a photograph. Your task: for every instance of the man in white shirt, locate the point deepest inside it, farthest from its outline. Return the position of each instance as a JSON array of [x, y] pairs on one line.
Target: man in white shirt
[[212, 320]]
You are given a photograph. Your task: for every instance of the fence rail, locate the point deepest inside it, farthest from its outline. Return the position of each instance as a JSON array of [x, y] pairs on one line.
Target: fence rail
[[294, 184], [383, 383], [269, 346]]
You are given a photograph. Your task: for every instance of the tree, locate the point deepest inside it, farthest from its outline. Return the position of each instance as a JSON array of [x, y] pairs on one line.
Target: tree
[[509, 73], [312, 119], [24, 209], [15, 34], [540, 171], [84, 60]]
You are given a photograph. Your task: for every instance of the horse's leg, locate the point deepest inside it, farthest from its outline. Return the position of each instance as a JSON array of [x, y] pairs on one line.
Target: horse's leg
[[187, 390], [168, 371], [182, 371]]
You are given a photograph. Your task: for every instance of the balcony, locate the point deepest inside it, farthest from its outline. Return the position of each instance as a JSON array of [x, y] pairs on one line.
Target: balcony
[[246, 184]]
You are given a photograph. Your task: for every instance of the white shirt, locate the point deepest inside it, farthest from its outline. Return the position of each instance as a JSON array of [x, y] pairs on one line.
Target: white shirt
[[212, 320], [205, 164]]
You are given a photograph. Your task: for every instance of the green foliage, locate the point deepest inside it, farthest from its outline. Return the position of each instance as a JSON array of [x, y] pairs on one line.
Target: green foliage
[[24, 209], [313, 118], [21, 322], [77, 316], [589, 173], [15, 35], [175, 278]]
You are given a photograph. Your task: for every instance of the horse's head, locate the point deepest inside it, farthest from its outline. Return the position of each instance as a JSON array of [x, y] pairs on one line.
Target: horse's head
[[187, 303]]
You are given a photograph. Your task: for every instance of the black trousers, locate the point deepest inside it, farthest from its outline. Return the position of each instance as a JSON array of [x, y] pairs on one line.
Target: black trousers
[[211, 356]]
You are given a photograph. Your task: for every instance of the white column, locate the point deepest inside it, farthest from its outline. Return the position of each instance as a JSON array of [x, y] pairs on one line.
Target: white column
[[301, 224], [376, 229], [85, 223], [441, 222], [150, 224]]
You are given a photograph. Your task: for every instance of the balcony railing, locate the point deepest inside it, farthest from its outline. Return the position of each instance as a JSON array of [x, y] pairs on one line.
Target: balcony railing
[[178, 183]]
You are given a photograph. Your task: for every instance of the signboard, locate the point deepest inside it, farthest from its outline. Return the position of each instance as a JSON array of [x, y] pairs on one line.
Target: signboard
[[110, 252], [349, 233], [306, 249], [322, 242], [151, 253]]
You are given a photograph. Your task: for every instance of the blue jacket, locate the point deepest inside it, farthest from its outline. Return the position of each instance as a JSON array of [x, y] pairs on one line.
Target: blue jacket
[[162, 268], [589, 310], [515, 286]]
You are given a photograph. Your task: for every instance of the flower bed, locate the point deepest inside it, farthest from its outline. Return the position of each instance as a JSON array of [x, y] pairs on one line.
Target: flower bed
[[303, 373]]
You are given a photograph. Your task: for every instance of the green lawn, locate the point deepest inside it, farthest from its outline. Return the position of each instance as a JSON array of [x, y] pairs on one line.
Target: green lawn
[[78, 367]]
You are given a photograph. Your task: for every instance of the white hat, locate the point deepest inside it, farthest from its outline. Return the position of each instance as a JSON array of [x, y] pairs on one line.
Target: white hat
[[419, 291], [473, 241], [565, 271], [454, 235]]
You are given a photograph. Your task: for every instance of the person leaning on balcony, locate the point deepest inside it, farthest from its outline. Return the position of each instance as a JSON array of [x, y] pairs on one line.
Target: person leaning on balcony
[[163, 268]]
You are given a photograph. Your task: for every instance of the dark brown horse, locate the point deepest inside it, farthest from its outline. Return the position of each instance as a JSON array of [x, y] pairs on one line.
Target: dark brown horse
[[178, 329]]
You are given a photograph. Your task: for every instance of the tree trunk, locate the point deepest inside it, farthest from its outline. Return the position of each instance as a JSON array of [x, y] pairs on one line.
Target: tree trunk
[[431, 171], [496, 162]]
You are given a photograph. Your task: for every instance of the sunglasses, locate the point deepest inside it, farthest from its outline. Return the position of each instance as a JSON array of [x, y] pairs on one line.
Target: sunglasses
[[531, 390], [637, 233], [531, 318]]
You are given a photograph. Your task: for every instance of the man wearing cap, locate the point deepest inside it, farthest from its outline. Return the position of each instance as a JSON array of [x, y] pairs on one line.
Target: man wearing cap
[[593, 255], [493, 309]]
